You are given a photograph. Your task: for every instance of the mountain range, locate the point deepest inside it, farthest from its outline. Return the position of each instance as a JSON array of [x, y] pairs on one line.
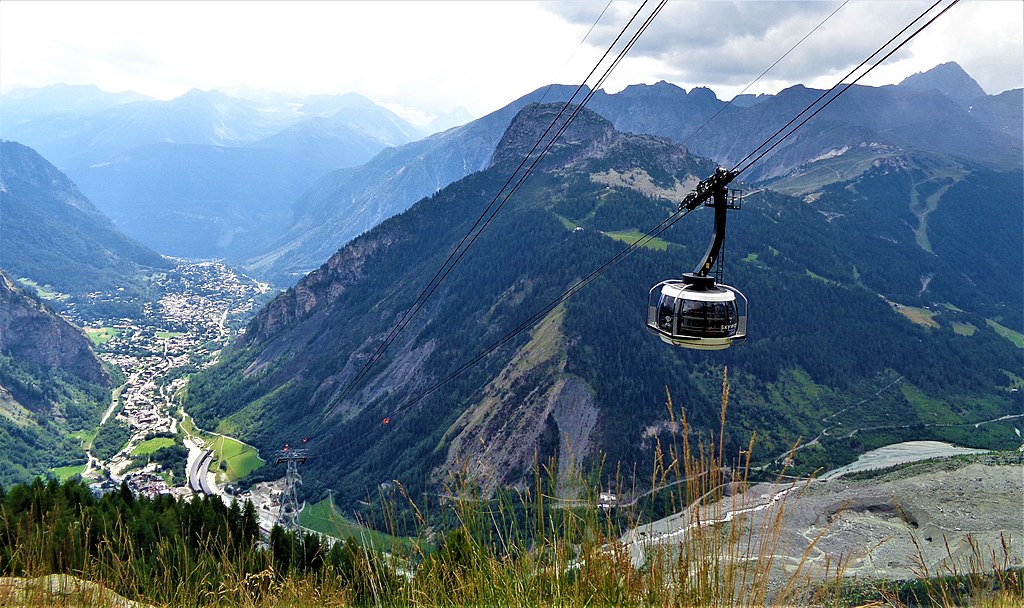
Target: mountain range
[[52, 236], [205, 174], [871, 122], [848, 299]]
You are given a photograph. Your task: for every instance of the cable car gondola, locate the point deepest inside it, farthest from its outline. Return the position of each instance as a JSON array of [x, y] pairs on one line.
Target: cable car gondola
[[696, 311]]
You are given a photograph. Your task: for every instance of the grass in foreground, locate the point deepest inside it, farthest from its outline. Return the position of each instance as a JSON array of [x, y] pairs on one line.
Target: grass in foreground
[[517, 549]]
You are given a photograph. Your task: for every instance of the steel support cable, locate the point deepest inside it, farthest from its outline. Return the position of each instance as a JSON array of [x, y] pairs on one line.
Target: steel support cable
[[476, 229], [826, 93], [565, 125], [647, 237], [425, 292], [456, 254], [761, 75], [582, 42], [847, 86]]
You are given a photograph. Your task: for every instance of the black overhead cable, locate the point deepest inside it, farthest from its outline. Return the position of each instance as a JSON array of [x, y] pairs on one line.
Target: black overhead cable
[[459, 251], [848, 85], [838, 84], [578, 47], [647, 237]]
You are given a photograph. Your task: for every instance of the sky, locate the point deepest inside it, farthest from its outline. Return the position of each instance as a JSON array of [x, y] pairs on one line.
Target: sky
[[438, 56]]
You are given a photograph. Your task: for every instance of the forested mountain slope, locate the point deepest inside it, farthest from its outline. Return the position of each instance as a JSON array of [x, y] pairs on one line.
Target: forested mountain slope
[[50, 383], [52, 234], [840, 341]]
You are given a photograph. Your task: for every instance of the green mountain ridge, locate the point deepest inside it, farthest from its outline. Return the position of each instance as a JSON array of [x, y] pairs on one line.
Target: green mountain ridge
[[51, 384], [587, 384]]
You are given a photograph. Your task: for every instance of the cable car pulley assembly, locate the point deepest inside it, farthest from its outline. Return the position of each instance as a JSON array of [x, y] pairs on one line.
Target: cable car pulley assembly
[[698, 311]]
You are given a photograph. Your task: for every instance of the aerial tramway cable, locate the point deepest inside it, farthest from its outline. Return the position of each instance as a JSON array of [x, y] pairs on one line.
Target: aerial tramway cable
[[847, 86], [470, 237], [646, 237]]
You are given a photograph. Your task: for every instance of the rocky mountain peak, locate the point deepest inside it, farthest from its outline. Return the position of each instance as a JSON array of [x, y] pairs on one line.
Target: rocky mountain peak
[[949, 79], [587, 130], [30, 332]]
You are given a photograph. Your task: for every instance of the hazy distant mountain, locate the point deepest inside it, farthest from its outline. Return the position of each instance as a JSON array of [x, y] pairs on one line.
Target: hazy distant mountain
[[349, 135], [348, 202], [840, 335], [60, 99], [103, 126], [52, 235], [197, 117], [207, 175], [442, 122]]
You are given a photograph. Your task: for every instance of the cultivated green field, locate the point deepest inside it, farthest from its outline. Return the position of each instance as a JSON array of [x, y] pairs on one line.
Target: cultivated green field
[[163, 335], [101, 335], [63, 473], [630, 236], [151, 445], [324, 518], [964, 329], [918, 316], [235, 458], [1011, 335], [85, 436], [43, 290]]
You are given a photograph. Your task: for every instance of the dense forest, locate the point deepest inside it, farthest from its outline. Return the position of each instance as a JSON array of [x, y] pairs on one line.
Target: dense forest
[[162, 549], [37, 438]]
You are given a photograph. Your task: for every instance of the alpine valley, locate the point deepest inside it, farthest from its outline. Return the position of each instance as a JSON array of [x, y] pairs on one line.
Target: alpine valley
[[879, 248]]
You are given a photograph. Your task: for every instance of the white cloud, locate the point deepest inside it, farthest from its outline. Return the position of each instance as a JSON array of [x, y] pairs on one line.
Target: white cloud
[[725, 45], [439, 55]]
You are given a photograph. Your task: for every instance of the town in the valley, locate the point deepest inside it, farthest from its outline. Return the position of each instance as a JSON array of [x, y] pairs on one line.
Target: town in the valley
[[202, 306]]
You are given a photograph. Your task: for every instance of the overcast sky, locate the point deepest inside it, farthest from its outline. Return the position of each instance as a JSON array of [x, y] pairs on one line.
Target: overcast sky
[[436, 56]]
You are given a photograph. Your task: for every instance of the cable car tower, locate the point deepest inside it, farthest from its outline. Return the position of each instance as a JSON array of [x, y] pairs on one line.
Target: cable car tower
[[288, 515], [699, 311]]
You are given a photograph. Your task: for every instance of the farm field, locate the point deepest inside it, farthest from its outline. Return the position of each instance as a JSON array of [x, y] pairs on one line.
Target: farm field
[[101, 335], [324, 518], [234, 458]]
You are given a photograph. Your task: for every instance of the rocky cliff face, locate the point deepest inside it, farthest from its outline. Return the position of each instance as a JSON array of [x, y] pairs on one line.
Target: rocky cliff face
[[30, 332]]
